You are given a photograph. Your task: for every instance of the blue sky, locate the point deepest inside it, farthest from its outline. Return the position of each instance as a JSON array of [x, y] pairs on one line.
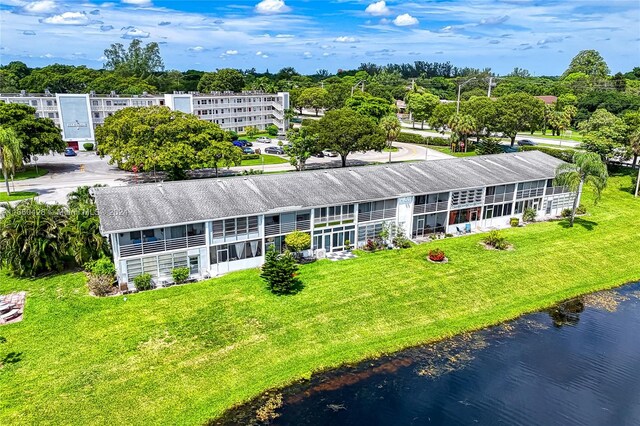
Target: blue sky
[[541, 36]]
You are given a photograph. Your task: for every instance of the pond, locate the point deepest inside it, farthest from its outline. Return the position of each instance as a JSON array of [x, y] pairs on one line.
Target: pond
[[575, 364]]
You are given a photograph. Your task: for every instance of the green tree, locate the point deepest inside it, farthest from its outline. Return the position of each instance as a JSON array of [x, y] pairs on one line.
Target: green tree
[[137, 60], [587, 169], [10, 154], [32, 240], [337, 95], [345, 131], [634, 146], [280, 272], [38, 136], [603, 132], [313, 97], [82, 237], [390, 125], [483, 111], [441, 116], [222, 80], [421, 106], [370, 106], [302, 145], [251, 131], [156, 137], [589, 62], [219, 154], [517, 112], [463, 126], [298, 241]]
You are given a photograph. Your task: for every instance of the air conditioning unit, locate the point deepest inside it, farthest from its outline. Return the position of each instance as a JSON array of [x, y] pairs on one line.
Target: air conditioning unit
[[321, 253]]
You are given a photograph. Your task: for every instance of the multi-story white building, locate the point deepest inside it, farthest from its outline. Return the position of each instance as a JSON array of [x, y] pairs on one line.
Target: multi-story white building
[[77, 115], [219, 225]]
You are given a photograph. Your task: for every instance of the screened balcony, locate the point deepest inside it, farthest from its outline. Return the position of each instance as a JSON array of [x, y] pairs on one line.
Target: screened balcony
[[431, 203], [285, 223], [157, 240], [377, 210]]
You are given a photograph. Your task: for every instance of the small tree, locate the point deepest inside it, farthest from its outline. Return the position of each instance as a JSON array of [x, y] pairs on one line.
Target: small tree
[[272, 129], [143, 282], [587, 169], [251, 131], [298, 241], [180, 274], [280, 272], [10, 154]]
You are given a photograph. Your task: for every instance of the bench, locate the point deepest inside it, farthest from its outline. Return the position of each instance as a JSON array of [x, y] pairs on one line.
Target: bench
[[14, 313]]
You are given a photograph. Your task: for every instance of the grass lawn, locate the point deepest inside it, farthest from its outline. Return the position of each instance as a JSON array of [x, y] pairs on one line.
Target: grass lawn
[[15, 196], [575, 136], [268, 159], [28, 173], [390, 149], [447, 150], [184, 354]]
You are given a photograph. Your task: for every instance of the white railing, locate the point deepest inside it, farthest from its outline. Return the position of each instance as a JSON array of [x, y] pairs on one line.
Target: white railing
[[376, 215], [552, 190], [157, 246], [431, 207], [284, 228], [498, 198], [529, 193]]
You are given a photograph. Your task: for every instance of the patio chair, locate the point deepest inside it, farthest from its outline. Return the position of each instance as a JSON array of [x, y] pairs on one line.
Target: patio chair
[[458, 230], [467, 228]]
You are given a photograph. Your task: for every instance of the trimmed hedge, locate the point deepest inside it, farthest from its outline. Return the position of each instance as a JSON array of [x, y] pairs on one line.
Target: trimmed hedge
[[87, 146], [562, 154], [422, 140], [251, 156]]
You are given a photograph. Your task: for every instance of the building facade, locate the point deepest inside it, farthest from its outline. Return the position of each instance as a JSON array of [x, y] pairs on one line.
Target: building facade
[[77, 115], [215, 226]]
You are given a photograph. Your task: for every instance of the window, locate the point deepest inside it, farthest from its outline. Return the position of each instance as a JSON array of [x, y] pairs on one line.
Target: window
[[429, 224], [497, 210], [34, 103], [232, 229], [235, 251], [464, 215], [521, 206], [466, 197], [531, 189]]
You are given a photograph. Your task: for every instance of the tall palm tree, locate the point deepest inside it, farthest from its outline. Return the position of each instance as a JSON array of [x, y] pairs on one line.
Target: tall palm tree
[[390, 124], [463, 125], [587, 169], [10, 154]]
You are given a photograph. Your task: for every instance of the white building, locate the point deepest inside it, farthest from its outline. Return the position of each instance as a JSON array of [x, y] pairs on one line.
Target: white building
[[77, 115], [216, 226]]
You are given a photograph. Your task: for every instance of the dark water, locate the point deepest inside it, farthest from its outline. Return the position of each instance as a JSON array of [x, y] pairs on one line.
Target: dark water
[[576, 364]]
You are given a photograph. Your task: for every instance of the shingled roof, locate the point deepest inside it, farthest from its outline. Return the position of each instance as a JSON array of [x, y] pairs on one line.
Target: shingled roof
[[154, 205]]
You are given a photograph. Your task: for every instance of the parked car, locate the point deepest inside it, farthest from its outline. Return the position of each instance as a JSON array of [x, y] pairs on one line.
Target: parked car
[[263, 139], [526, 142], [247, 150], [274, 150], [319, 154], [245, 142], [239, 144], [69, 152], [328, 153]]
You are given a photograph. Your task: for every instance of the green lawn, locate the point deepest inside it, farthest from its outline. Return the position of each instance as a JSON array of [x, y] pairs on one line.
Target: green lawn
[[28, 173], [575, 135], [447, 150], [268, 159], [183, 355], [15, 196]]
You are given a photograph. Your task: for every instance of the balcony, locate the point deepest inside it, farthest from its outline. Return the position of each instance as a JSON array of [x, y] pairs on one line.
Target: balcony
[[498, 198], [530, 193], [431, 207], [285, 228], [148, 247], [376, 215], [553, 190]]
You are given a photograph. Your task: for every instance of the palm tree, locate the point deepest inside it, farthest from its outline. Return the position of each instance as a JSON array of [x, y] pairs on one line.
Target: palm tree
[[587, 169], [10, 154], [391, 127], [463, 125]]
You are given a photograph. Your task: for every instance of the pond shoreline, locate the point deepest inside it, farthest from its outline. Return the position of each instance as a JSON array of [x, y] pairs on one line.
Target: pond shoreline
[[387, 361]]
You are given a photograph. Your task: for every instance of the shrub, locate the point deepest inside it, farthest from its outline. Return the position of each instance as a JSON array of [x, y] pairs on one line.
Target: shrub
[[529, 214], [143, 282], [436, 255], [250, 156], [100, 285], [496, 240], [373, 244], [102, 267], [422, 140], [514, 221], [87, 146], [401, 241], [233, 135], [566, 213], [180, 275], [280, 272], [581, 209], [307, 121], [347, 244], [272, 129], [488, 146], [298, 241]]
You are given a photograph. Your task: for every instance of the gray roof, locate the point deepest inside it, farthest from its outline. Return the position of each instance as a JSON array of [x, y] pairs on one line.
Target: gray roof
[[153, 205]]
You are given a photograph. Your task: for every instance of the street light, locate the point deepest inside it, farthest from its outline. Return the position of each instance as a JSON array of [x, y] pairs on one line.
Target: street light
[[460, 87], [361, 82]]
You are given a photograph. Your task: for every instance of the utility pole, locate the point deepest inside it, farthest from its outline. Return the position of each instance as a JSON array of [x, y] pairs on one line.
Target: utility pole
[[638, 182], [460, 87], [489, 91]]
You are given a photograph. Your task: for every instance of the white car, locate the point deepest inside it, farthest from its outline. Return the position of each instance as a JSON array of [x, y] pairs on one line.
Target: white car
[[263, 139], [328, 153]]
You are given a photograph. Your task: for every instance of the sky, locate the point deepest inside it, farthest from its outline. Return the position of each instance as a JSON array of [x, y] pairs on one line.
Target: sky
[[540, 36]]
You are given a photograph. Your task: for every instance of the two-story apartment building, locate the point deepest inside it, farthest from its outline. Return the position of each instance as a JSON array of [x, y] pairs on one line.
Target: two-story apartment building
[[219, 225], [77, 115]]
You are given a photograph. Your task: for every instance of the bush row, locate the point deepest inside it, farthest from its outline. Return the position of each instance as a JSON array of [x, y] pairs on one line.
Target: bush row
[[251, 156], [563, 154], [422, 140]]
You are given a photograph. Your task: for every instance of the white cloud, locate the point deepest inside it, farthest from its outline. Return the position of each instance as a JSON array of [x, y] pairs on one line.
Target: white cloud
[[378, 8], [40, 7], [138, 2], [307, 55], [231, 52], [284, 35], [196, 49], [68, 18], [346, 39], [259, 53], [135, 33], [268, 7], [405, 20]]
